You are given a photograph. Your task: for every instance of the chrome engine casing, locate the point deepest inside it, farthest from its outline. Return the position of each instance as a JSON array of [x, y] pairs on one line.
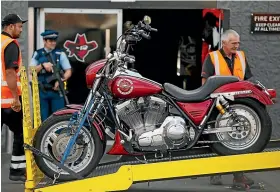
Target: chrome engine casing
[[173, 133], [142, 114], [152, 127]]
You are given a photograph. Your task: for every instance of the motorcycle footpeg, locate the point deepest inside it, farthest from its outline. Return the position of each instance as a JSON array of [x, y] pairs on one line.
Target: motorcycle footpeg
[[159, 155]]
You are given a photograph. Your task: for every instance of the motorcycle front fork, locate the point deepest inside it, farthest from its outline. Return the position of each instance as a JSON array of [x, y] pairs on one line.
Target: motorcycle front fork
[[82, 116]]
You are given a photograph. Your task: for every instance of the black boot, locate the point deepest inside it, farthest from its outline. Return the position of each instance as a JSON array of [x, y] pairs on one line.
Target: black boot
[[17, 175]]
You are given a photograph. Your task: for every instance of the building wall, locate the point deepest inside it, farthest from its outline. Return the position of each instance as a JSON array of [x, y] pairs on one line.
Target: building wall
[[20, 8], [263, 51]]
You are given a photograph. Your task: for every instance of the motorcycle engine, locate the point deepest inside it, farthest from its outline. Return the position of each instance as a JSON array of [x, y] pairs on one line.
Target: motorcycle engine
[[152, 125]]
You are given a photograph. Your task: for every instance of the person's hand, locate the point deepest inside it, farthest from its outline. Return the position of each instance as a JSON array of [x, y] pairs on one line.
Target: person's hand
[[16, 105], [48, 66], [56, 86]]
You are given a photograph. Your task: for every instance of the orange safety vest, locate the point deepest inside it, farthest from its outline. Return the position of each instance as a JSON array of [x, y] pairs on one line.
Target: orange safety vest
[[221, 67], [6, 94]]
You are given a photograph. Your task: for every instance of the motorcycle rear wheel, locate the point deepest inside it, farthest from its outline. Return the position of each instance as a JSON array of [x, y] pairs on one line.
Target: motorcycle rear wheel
[[257, 117], [90, 158]]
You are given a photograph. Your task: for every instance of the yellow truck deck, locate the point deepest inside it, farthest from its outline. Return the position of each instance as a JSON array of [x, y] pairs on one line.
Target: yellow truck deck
[[121, 174]]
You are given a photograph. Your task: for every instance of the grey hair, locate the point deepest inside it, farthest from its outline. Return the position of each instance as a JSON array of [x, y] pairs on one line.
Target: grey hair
[[227, 33]]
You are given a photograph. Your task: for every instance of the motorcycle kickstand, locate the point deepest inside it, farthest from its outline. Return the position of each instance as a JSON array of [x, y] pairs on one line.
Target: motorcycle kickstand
[[142, 161], [170, 156]]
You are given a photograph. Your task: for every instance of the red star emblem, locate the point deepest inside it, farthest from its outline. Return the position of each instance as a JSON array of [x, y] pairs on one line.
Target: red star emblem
[[80, 47]]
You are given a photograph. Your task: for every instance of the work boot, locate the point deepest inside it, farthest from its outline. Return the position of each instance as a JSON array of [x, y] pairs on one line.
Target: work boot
[[241, 180], [17, 175], [216, 180], [17, 178]]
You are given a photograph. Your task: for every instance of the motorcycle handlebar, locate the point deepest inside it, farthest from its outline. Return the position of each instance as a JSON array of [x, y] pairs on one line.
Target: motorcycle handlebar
[[149, 28], [141, 30], [127, 58], [154, 30], [146, 36]]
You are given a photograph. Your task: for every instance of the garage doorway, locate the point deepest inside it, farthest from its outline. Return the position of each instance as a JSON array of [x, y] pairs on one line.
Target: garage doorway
[[93, 32], [175, 53]]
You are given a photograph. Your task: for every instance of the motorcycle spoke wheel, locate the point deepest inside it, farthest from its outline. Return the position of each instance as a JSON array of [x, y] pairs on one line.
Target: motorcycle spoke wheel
[[54, 143], [250, 125]]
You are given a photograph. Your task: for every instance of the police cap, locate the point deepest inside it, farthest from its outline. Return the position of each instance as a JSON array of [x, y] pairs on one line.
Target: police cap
[[49, 34]]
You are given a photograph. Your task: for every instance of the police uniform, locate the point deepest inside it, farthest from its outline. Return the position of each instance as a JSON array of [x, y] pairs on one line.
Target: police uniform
[[50, 100], [12, 59]]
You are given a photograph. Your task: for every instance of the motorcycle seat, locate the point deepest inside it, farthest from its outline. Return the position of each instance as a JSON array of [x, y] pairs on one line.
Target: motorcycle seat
[[199, 94]]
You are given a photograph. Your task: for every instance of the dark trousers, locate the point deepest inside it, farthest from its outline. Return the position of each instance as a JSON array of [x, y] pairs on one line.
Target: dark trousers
[[50, 102], [14, 121]]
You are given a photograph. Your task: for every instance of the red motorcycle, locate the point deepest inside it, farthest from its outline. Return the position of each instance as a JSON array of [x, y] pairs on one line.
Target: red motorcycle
[[143, 116]]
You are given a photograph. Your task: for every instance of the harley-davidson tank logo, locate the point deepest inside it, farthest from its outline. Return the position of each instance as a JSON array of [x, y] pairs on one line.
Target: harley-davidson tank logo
[[125, 86], [80, 47]]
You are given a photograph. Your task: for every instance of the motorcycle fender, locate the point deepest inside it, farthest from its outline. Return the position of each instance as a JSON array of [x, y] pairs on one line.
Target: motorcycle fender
[[240, 86], [70, 109]]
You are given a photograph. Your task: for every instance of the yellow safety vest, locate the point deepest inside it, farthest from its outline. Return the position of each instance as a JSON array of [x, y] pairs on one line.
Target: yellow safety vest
[[221, 67]]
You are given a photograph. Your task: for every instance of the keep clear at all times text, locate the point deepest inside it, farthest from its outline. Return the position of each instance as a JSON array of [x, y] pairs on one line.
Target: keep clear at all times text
[[267, 23]]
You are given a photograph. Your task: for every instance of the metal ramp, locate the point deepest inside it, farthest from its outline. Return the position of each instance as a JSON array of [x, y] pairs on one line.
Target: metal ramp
[[120, 175]]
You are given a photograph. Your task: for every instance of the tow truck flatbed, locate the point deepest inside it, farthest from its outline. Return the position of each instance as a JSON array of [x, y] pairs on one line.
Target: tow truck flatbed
[[120, 175], [130, 171]]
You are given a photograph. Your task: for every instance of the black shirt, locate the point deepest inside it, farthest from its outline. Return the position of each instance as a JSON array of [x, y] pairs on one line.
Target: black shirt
[[11, 54], [208, 68]]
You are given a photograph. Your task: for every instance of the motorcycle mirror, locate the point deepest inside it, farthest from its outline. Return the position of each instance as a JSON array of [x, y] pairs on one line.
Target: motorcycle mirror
[[147, 20]]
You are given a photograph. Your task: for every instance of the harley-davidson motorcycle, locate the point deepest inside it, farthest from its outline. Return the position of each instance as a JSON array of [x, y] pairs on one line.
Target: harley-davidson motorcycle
[[144, 117]]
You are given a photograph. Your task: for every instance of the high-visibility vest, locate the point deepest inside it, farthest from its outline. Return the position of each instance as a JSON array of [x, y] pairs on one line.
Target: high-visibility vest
[[221, 67], [6, 94]]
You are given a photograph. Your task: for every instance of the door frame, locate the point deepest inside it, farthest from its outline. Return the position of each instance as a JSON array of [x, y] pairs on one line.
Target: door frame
[[41, 20]]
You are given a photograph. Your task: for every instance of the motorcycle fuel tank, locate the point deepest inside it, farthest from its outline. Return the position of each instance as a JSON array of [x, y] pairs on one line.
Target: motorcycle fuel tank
[[91, 71], [127, 87]]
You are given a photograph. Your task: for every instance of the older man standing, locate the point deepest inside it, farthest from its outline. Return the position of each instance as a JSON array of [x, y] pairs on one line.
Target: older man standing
[[229, 62]]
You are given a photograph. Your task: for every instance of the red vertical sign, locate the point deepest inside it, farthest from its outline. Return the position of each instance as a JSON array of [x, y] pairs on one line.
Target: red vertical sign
[[212, 19]]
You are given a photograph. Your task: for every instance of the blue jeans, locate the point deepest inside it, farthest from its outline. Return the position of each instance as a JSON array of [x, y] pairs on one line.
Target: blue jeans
[[50, 102]]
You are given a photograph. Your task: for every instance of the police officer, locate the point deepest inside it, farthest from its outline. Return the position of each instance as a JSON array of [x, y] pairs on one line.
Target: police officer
[[228, 62], [51, 98], [11, 113]]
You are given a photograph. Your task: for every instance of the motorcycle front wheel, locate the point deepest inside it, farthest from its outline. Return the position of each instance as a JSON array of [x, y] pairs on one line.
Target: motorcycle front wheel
[[52, 139], [254, 118]]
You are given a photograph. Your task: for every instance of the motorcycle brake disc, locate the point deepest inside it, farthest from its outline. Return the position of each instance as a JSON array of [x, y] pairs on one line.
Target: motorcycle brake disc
[[59, 147]]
